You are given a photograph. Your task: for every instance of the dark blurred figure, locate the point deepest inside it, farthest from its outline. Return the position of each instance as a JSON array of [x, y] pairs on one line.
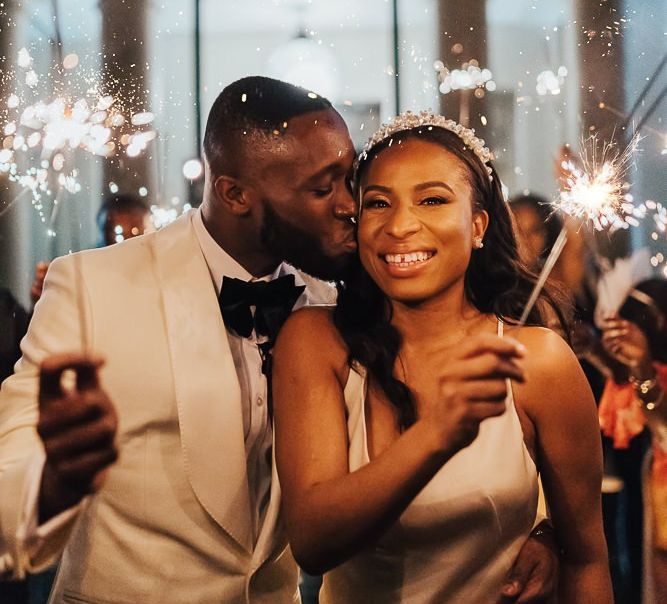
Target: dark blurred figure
[[575, 274], [13, 325], [120, 217], [538, 228], [632, 410]]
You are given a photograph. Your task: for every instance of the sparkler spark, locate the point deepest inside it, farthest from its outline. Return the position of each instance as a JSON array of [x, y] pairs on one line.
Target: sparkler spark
[[43, 134], [595, 188]]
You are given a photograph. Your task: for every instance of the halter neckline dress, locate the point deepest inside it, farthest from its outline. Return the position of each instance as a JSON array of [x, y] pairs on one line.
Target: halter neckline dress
[[460, 536]]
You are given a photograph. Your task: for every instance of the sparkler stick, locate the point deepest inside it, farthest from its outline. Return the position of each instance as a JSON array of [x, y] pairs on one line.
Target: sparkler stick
[[596, 192], [544, 274], [12, 202], [642, 95]]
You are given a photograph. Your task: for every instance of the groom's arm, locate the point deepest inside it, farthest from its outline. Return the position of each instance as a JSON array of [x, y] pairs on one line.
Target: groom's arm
[[26, 544], [533, 578]]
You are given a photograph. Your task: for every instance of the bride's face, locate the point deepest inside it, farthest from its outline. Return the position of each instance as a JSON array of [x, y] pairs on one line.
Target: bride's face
[[417, 223]]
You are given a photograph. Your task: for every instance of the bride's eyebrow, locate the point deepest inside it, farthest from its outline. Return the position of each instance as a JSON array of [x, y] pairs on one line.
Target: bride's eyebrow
[[433, 183], [378, 188]]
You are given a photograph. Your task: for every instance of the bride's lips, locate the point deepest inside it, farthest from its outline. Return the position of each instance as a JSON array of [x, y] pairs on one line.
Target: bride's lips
[[406, 264]]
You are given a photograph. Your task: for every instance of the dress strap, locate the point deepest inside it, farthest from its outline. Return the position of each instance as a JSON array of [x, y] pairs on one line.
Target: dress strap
[[500, 328]]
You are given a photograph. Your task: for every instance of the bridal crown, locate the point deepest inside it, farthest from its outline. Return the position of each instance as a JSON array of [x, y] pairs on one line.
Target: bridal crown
[[427, 119]]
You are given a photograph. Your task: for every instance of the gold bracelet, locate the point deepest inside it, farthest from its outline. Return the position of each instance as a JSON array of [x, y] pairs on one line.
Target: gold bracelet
[[643, 386], [651, 405]]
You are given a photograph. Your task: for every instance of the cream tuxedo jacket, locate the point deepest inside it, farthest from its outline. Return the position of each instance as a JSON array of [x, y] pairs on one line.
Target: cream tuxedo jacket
[[172, 522]]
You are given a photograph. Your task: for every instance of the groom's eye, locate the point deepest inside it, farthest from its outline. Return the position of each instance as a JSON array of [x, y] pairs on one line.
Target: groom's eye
[[323, 191]]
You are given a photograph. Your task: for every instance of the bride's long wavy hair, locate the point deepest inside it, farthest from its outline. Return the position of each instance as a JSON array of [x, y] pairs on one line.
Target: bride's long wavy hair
[[496, 282]]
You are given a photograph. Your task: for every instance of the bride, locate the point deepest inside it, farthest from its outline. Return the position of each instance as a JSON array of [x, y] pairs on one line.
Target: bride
[[412, 420]]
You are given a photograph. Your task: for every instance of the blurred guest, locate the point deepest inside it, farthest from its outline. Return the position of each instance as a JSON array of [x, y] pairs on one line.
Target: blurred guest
[[576, 272], [637, 337], [120, 217], [537, 228], [13, 325]]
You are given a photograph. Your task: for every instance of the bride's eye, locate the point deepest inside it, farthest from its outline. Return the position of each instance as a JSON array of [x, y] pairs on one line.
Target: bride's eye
[[374, 203], [433, 201]]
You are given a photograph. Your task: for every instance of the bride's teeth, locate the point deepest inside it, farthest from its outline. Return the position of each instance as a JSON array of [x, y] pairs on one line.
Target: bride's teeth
[[407, 258]]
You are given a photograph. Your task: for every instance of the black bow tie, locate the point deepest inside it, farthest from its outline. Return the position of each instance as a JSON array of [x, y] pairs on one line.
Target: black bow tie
[[273, 302]]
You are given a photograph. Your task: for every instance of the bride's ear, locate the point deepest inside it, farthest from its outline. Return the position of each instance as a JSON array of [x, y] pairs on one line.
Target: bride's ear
[[480, 221]]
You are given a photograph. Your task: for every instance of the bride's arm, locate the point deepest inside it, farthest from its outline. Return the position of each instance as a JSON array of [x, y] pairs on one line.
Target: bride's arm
[[558, 400], [331, 513]]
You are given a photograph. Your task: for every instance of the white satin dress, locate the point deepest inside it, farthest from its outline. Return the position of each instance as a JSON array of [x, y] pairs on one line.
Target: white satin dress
[[459, 537]]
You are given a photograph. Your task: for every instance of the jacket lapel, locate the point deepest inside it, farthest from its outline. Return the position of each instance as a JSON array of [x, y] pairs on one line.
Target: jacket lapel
[[272, 537], [206, 386]]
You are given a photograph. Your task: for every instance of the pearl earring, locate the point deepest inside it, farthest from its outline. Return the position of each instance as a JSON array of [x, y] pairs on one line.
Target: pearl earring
[[478, 243]]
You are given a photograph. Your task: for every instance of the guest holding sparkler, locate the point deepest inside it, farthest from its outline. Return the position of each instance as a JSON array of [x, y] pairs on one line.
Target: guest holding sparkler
[[637, 337], [414, 478]]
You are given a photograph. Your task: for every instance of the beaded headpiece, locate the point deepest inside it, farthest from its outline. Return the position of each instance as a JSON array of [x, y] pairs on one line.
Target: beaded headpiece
[[427, 119]]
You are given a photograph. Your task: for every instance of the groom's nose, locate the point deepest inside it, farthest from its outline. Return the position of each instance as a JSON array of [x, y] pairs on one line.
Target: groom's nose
[[345, 207]]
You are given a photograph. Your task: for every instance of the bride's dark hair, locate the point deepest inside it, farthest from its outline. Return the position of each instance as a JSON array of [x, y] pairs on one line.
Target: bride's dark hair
[[496, 282]]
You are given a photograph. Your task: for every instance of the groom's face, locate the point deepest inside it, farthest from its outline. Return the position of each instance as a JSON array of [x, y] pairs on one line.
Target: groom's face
[[305, 197]]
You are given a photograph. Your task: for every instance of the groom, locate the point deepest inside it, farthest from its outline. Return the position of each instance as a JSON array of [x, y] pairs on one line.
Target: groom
[[170, 427]]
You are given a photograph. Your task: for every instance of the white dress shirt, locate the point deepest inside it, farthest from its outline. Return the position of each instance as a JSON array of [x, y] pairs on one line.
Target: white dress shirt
[[258, 432]]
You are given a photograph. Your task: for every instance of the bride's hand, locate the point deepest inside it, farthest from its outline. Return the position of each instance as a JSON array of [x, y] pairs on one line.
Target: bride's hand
[[471, 388]]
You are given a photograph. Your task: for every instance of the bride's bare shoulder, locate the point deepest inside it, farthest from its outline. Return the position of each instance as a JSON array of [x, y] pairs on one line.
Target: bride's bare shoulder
[[311, 331], [305, 320], [540, 342]]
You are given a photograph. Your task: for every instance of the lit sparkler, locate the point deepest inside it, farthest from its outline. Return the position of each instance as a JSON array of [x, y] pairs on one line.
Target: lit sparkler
[[595, 191], [45, 133]]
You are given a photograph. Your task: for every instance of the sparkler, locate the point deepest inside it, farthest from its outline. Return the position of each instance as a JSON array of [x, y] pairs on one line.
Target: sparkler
[[44, 133], [595, 191]]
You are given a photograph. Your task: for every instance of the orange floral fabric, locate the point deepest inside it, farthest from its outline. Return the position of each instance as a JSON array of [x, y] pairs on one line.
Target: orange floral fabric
[[621, 419]]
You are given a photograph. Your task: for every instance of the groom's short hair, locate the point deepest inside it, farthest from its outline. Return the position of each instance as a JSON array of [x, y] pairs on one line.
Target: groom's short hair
[[253, 111]]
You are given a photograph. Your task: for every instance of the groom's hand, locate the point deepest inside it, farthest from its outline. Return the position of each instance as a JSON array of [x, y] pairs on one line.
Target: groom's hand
[[77, 424], [534, 577]]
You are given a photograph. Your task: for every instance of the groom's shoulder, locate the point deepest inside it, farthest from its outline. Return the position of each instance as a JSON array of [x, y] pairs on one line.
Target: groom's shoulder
[[144, 247], [118, 256]]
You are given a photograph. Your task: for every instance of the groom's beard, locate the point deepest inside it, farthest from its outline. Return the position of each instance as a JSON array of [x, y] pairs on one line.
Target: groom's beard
[[300, 248]]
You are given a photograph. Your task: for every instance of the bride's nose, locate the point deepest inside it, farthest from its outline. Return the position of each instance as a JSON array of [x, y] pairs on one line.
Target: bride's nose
[[401, 221]]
